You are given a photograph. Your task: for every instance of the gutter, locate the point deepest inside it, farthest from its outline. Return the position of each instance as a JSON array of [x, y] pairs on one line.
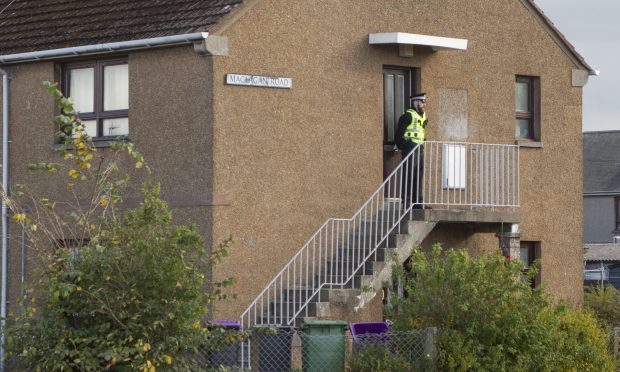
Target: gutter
[[602, 193], [198, 38], [5, 215]]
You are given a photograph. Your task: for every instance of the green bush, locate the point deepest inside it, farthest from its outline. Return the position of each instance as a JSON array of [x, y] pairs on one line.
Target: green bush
[[604, 303], [491, 319], [373, 358], [133, 297], [580, 343], [393, 351], [117, 289]]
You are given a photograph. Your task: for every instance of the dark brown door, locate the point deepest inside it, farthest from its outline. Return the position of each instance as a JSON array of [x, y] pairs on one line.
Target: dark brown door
[[397, 87]]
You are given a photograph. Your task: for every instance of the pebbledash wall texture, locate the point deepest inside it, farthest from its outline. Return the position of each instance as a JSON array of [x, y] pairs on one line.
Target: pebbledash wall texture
[[315, 151], [268, 165]]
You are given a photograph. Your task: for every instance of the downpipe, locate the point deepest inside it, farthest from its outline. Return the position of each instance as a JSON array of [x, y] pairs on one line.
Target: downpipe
[[5, 215]]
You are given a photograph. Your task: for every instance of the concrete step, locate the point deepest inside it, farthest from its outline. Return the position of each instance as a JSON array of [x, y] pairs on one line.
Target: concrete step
[[382, 226], [282, 321], [338, 267], [373, 227], [357, 282], [320, 309], [385, 254], [353, 252], [356, 242], [297, 323], [302, 293], [355, 256], [368, 230]]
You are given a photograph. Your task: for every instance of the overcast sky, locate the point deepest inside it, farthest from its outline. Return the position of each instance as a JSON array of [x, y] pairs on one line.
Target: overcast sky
[[593, 27]]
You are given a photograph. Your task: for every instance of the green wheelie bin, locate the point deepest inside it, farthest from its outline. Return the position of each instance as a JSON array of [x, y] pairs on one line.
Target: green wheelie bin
[[323, 345]]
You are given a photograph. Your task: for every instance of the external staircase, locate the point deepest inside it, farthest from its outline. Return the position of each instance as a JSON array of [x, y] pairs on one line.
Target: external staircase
[[347, 261], [363, 284]]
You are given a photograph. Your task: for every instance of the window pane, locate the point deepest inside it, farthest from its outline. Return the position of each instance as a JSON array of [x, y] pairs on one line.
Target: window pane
[[523, 128], [400, 96], [389, 106], [115, 88], [525, 256], [82, 89], [91, 127], [116, 127], [522, 97]]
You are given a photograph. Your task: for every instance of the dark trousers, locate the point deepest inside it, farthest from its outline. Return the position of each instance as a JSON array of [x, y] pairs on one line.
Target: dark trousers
[[413, 177]]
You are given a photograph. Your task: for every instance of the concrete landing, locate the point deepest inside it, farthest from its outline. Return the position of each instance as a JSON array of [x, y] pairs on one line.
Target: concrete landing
[[465, 215]]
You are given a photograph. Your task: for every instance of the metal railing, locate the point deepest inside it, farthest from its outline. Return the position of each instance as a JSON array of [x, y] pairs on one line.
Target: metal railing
[[450, 174], [471, 175]]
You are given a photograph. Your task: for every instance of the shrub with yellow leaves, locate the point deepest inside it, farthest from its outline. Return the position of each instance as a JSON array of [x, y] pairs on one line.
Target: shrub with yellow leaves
[[121, 288]]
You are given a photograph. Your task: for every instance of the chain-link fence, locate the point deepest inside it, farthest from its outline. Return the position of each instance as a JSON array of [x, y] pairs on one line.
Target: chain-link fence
[[288, 349]]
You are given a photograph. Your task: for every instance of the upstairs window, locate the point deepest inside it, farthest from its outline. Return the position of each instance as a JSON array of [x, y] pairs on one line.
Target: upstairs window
[[527, 107], [100, 92]]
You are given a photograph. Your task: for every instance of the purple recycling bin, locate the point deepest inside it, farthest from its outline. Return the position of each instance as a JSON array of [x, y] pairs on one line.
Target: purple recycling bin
[[363, 328], [367, 334]]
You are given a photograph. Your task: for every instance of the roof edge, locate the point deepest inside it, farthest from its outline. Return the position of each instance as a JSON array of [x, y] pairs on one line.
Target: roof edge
[[559, 37], [227, 21], [91, 49], [602, 193], [601, 131]]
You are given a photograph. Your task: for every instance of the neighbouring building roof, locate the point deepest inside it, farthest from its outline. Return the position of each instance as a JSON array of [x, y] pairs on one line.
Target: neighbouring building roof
[[602, 252], [601, 162], [35, 25]]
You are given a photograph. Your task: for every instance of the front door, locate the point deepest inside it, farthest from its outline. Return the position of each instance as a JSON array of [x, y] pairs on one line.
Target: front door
[[398, 85]]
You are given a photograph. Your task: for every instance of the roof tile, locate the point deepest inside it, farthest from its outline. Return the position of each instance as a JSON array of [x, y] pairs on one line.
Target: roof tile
[[602, 252], [34, 25], [601, 162]]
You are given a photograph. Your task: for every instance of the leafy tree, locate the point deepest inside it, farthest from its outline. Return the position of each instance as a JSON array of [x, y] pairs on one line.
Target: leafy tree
[[491, 319], [118, 289], [604, 303]]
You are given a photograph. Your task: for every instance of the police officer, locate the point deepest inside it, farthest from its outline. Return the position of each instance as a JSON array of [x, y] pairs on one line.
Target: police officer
[[411, 133]]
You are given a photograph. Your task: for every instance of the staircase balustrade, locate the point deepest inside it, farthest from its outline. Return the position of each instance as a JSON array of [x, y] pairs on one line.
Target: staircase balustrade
[[456, 175]]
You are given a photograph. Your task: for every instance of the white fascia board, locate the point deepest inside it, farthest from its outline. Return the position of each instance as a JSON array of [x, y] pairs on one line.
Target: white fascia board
[[436, 42], [104, 48]]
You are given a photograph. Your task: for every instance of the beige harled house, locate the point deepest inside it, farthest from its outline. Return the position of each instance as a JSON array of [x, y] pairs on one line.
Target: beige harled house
[[274, 121]]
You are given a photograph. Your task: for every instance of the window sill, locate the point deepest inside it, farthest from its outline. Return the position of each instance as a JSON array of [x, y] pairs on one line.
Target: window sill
[[522, 142], [97, 144]]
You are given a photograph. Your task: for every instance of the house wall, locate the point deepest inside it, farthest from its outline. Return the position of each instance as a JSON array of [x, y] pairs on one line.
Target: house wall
[[290, 159], [269, 166], [169, 122], [599, 219]]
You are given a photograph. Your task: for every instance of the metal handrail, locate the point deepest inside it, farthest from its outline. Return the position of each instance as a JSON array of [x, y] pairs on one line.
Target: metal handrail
[[473, 175]]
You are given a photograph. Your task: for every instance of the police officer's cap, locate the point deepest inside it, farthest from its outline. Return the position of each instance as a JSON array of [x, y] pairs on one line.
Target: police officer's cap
[[418, 97]]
